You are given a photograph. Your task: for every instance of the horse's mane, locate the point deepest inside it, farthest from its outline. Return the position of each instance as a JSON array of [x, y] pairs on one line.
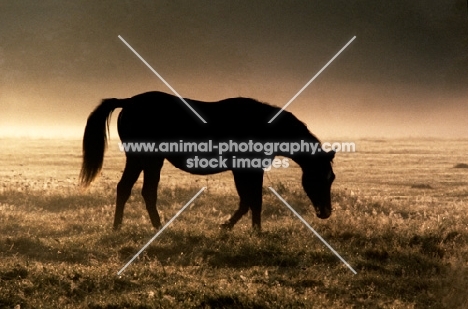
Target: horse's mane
[[300, 126]]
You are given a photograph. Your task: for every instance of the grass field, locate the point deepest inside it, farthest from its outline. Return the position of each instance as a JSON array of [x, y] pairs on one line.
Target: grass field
[[399, 220]]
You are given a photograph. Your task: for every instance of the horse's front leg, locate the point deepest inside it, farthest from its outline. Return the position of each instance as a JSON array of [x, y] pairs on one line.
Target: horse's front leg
[[249, 187], [151, 172]]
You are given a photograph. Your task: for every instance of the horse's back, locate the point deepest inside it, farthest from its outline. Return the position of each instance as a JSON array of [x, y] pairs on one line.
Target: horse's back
[[161, 116]]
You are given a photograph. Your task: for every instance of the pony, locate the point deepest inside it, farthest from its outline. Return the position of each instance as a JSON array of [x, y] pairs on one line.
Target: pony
[[160, 119]]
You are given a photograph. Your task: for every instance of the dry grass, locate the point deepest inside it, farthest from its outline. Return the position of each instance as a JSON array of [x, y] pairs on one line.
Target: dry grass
[[399, 220]]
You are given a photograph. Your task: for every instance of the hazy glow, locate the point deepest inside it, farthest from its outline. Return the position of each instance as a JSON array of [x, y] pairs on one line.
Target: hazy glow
[[404, 75]]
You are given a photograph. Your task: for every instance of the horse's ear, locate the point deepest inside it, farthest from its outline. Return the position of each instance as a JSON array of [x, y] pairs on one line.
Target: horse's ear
[[331, 154]]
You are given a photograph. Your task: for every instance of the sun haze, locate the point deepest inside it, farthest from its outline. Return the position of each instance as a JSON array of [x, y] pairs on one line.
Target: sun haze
[[403, 76]]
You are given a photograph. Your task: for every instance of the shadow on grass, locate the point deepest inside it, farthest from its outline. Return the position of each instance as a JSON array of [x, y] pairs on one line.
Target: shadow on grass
[[227, 250], [227, 302], [48, 250], [54, 203]]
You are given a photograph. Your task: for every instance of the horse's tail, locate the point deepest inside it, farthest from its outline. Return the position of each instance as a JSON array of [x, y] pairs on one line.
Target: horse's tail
[[95, 139]]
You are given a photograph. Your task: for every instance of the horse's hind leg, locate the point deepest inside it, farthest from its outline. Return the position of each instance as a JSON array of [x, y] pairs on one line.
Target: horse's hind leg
[[249, 187], [124, 187], [151, 176]]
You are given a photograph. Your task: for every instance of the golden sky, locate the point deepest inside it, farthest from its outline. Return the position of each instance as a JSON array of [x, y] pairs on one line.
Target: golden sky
[[404, 75]]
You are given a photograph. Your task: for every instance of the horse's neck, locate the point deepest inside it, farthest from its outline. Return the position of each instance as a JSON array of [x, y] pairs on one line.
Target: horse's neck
[[309, 148], [305, 161]]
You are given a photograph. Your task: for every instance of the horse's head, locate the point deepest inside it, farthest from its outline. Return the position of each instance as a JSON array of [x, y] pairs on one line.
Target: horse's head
[[317, 179]]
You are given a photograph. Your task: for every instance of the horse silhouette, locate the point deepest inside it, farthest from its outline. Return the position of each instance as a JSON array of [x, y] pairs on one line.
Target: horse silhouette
[[157, 117]]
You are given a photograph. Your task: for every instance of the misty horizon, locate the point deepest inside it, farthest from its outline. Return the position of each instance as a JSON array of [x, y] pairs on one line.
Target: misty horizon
[[404, 75]]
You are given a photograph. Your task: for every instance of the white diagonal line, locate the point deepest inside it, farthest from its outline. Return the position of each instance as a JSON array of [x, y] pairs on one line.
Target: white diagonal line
[[310, 228], [310, 81], [161, 230], [161, 78]]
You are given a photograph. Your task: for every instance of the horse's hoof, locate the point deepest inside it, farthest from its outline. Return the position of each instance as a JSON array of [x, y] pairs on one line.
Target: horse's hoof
[[117, 227], [257, 230], [226, 226], [156, 224]]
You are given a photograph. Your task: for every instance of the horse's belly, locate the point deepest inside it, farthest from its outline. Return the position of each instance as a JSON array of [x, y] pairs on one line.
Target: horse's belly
[[199, 165]]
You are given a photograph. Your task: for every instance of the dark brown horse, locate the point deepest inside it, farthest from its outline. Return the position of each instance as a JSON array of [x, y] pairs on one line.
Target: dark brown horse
[[158, 118]]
